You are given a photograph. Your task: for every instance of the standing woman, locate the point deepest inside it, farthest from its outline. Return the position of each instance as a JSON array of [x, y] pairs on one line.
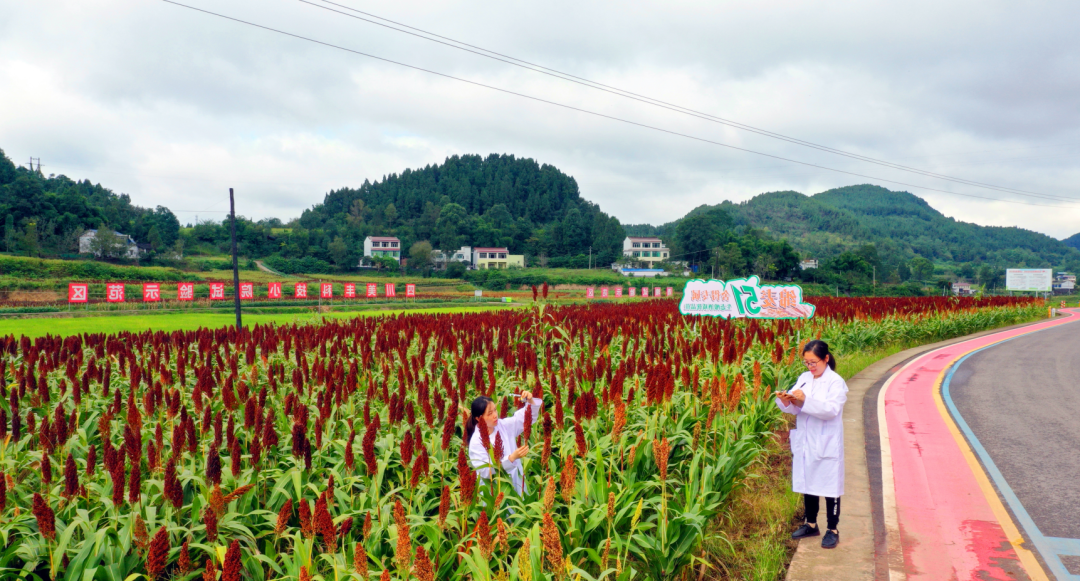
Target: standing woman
[[507, 429], [817, 442]]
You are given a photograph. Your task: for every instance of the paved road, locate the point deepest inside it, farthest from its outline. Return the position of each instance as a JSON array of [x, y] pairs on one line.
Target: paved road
[[998, 438], [1021, 399]]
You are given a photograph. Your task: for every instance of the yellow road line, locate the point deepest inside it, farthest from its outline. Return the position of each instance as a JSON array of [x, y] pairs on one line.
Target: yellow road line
[[1012, 532]]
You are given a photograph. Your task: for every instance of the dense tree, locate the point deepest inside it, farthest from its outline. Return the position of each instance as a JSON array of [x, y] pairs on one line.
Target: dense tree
[[699, 235], [107, 243], [499, 200], [899, 225], [45, 215], [420, 255], [921, 268]]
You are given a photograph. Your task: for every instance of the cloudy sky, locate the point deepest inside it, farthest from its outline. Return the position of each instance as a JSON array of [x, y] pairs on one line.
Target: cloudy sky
[[173, 106]]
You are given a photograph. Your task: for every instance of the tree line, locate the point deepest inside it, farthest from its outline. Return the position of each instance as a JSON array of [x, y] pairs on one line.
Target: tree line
[[45, 215], [861, 235]]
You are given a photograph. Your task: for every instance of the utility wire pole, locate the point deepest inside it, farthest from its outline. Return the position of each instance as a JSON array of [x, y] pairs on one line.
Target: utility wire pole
[[235, 267]]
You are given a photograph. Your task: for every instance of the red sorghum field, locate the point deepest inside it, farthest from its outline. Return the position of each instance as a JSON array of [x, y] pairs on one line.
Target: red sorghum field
[[334, 451]]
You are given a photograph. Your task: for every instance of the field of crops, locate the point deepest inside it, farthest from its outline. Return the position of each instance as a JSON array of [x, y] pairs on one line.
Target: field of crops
[[333, 451]]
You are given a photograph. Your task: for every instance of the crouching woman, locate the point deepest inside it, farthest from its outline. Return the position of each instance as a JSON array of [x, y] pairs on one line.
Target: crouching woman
[[817, 442], [501, 435]]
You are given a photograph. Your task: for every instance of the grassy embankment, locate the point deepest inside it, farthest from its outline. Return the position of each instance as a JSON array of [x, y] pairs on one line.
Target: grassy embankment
[[188, 321]]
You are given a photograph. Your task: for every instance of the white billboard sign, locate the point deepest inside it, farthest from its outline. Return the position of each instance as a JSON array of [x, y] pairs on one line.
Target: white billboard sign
[[743, 297], [1028, 279]]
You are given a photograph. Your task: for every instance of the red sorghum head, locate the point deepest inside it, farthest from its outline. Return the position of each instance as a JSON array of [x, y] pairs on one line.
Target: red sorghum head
[[158, 554], [46, 520], [283, 517], [230, 570]]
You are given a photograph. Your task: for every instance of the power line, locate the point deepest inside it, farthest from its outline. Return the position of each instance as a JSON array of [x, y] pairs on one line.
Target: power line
[[601, 115], [490, 54]]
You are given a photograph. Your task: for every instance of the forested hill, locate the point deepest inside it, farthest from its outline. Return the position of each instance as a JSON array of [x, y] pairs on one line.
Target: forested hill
[[899, 224], [45, 215], [500, 200], [1073, 241]]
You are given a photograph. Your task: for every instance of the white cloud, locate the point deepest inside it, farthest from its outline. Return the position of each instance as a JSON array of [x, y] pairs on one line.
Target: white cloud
[[173, 106]]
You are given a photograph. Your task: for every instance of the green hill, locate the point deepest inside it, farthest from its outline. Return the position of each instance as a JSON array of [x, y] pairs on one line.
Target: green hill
[[498, 200], [45, 215], [899, 224], [1073, 241]]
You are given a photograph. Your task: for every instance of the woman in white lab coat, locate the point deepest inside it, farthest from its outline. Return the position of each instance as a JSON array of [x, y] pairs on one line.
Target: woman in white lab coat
[[507, 430], [817, 442]]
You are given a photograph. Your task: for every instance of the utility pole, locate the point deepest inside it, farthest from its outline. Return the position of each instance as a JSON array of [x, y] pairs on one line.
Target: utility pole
[[235, 268], [590, 258]]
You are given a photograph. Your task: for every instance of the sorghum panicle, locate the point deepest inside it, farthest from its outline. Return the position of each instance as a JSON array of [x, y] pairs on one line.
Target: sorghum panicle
[[158, 554]]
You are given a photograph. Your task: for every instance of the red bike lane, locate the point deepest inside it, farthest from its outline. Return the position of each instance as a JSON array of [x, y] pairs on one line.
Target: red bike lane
[[945, 511]]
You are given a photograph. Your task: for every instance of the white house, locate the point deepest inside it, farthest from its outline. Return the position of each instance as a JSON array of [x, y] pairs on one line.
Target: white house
[[484, 258], [87, 239], [388, 246], [645, 249], [463, 254], [808, 263], [1064, 282], [441, 259], [961, 289]]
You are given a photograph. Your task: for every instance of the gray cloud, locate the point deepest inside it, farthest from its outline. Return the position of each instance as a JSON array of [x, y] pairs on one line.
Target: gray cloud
[[174, 106]]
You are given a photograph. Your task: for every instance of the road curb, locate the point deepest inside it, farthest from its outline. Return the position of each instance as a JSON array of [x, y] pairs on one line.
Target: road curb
[[864, 548]]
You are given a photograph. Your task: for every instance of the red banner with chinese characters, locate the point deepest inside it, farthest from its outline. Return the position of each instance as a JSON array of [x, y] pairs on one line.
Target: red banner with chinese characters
[[410, 291], [78, 293], [618, 292], [273, 290], [388, 289], [350, 290], [372, 289], [185, 291], [247, 290], [326, 290], [151, 292], [114, 292], [217, 291], [300, 290]]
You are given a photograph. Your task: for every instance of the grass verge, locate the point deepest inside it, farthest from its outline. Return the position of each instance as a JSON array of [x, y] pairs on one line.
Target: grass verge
[[188, 321]]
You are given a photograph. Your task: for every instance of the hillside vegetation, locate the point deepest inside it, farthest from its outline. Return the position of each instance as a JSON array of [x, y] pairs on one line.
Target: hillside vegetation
[[862, 234], [901, 227], [499, 200], [44, 216]]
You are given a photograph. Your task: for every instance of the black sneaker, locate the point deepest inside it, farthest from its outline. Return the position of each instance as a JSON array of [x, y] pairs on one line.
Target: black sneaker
[[830, 540], [805, 531]]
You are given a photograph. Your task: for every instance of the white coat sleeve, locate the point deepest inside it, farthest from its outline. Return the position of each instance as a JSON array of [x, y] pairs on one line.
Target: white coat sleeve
[[515, 424], [478, 456], [828, 407], [792, 408], [787, 409]]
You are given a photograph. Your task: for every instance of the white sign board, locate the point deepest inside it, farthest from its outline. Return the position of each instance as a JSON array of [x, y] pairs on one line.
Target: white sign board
[[744, 297], [1028, 279]]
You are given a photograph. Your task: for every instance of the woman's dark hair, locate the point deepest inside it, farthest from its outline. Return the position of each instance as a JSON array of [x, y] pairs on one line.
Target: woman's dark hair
[[820, 349], [476, 411]]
